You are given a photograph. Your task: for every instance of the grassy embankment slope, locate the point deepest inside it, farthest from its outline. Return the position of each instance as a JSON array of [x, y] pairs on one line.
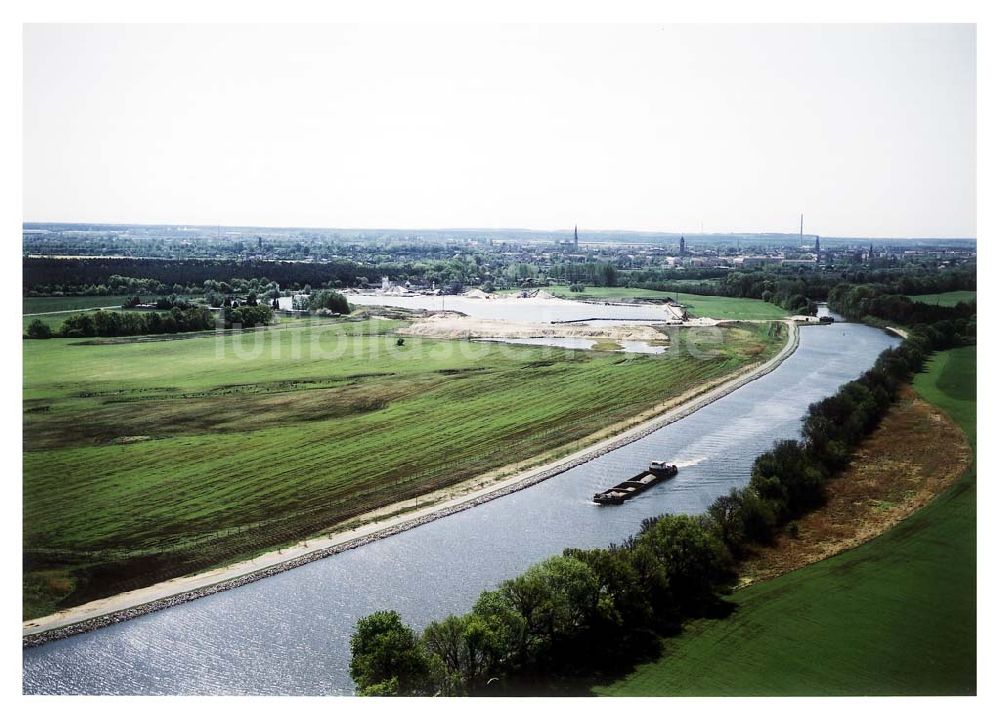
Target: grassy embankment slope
[[893, 616], [145, 461], [717, 307], [945, 299]]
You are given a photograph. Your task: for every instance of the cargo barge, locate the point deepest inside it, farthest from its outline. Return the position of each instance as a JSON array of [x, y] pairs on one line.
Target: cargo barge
[[657, 472]]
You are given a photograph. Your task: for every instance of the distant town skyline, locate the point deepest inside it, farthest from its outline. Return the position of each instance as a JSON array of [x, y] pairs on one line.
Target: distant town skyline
[[867, 130], [561, 234]]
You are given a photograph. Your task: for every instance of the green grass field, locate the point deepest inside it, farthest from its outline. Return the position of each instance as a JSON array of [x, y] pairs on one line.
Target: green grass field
[[32, 305], [946, 299], [150, 459], [894, 616], [730, 308]]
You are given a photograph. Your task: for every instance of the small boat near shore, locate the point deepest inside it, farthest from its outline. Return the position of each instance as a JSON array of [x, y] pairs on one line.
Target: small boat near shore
[[657, 472]]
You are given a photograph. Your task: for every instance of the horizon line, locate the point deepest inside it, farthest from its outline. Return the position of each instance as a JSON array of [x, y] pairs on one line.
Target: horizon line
[[501, 229]]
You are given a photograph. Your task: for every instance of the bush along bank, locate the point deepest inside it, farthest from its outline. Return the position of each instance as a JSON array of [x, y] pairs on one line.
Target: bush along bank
[[588, 612]]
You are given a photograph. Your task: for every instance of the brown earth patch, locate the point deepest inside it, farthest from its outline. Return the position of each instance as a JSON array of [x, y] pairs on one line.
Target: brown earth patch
[[914, 454]]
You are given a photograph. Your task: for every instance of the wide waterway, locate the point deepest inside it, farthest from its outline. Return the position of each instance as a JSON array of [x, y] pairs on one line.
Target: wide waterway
[[289, 634]]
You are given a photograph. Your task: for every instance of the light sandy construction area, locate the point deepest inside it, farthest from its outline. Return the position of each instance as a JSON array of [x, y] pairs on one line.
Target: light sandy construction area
[[451, 325]]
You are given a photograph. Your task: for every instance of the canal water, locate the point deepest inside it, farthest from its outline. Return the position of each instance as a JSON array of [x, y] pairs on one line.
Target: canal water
[[289, 634]]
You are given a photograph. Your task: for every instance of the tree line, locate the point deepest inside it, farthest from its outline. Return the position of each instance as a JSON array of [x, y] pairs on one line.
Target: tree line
[[595, 274], [41, 275], [797, 290], [858, 302], [108, 276], [129, 324], [786, 286], [580, 611], [595, 610], [160, 303]]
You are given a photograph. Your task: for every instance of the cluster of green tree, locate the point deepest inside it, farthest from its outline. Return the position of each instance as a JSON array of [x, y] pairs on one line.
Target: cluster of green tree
[[89, 276], [129, 324], [248, 315], [596, 274], [113, 285], [259, 286], [797, 289], [795, 293], [43, 275], [909, 280], [215, 299], [572, 613], [322, 300], [906, 279], [117, 284], [329, 300], [660, 275], [791, 288], [38, 330], [791, 478], [860, 301], [161, 303], [591, 610]]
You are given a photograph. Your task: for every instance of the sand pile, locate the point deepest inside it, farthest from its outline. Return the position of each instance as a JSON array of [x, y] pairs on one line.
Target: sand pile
[[478, 294]]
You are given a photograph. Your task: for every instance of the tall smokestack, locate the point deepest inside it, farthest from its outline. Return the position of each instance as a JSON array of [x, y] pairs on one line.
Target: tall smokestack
[[801, 217]]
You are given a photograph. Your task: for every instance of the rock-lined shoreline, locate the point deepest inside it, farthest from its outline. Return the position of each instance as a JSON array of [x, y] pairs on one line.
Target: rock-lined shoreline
[[32, 639]]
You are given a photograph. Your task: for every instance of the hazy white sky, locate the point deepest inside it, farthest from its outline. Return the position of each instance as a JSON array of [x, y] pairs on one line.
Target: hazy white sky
[[868, 130]]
